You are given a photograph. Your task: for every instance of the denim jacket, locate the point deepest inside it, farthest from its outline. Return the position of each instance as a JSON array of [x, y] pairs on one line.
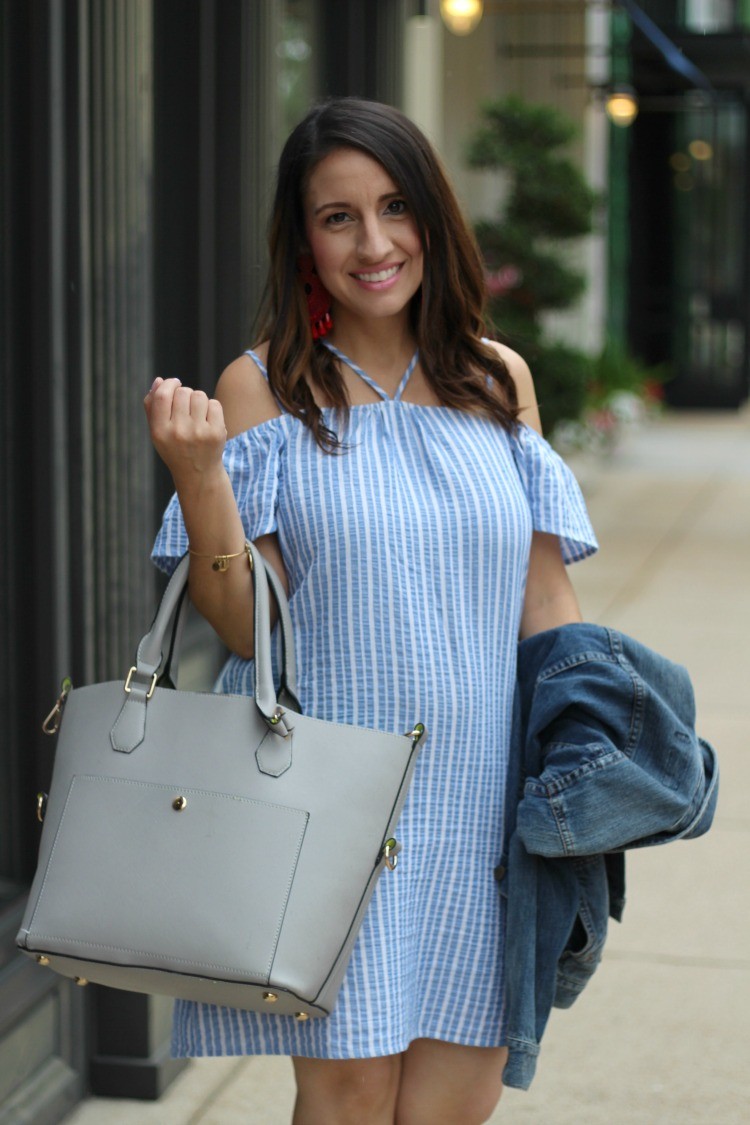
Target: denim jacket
[[605, 757]]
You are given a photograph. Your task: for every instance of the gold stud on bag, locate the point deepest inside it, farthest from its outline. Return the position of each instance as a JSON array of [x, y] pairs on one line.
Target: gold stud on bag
[[228, 902]]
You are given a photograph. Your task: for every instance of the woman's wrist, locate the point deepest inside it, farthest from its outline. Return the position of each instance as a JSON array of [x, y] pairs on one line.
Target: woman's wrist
[[193, 483], [220, 562], [212, 521]]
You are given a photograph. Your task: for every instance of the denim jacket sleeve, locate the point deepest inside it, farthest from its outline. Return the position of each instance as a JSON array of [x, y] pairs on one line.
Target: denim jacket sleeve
[[616, 761]]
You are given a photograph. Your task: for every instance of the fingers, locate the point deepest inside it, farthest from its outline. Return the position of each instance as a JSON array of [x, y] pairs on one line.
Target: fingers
[[168, 404], [168, 399], [197, 406], [201, 409], [161, 391], [215, 416], [161, 394], [187, 427]]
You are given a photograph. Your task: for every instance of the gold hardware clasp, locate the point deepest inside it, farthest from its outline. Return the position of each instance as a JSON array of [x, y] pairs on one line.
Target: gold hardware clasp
[[301, 1016], [42, 959], [131, 673], [41, 806], [270, 997], [179, 804], [417, 733], [277, 716], [390, 855], [82, 981], [52, 723]]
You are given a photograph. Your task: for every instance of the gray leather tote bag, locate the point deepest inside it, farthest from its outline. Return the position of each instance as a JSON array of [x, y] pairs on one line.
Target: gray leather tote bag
[[219, 848]]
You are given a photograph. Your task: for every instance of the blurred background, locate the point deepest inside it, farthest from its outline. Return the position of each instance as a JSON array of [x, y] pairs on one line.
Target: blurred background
[[601, 152]]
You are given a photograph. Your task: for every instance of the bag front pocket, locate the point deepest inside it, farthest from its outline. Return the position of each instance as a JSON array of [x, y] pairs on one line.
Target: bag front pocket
[[160, 843]]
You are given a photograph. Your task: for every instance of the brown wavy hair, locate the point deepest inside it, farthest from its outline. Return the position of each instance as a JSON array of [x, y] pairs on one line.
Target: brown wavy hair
[[448, 310]]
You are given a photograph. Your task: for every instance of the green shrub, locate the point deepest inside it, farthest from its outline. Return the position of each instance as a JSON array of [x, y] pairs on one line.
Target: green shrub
[[549, 202], [585, 398]]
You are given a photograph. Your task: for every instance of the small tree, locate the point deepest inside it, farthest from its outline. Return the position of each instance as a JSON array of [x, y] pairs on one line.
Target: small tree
[[548, 203]]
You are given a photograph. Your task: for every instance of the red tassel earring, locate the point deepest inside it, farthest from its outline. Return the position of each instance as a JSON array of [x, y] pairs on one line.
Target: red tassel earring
[[318, 297]]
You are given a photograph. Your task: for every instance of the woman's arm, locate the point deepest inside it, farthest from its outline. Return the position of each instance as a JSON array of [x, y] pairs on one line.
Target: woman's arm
[[189, 431], [550, 598]]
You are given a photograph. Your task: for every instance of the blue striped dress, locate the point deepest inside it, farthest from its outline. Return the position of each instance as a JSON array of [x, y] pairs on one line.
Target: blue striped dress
[[407, 557]]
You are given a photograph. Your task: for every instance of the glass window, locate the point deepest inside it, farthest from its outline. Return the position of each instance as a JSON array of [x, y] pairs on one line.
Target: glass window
[[708, 169], [708, 16]]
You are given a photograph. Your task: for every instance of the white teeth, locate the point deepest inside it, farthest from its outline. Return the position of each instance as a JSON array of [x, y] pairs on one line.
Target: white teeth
[[381, 275]]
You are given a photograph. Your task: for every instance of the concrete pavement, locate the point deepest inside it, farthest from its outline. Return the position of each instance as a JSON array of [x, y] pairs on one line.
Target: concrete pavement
[[661, 1032]]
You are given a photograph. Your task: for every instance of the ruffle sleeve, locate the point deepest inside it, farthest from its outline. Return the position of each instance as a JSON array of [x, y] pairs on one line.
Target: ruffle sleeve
[[554, 496], [252, 460]]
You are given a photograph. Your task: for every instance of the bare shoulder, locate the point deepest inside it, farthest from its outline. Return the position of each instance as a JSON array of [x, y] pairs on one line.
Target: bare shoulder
[[522, 377], [245, 395]]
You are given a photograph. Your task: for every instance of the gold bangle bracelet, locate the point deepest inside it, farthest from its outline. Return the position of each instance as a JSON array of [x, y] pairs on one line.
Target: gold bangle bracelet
[[220, 562]]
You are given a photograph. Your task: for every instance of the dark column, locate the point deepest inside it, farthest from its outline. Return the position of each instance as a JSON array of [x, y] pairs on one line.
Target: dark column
[[76, 502], [361, 49]]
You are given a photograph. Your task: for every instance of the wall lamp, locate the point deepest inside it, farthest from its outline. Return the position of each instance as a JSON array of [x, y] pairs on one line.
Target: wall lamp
[[461, 16], [621, 106]]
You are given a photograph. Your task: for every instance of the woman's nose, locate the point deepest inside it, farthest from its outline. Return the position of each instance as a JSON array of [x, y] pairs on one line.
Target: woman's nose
[[374, 242]]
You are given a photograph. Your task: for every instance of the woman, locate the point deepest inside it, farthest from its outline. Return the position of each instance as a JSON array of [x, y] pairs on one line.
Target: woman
[[385, 458]]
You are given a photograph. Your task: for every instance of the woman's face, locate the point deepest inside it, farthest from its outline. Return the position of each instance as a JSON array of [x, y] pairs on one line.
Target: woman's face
[[362, 236]]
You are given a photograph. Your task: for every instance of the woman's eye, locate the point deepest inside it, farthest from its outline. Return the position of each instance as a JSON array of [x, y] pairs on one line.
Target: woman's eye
[[337, 218], [396, 207]]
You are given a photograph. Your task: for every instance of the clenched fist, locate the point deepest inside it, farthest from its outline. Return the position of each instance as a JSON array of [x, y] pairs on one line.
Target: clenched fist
[[187, 428]]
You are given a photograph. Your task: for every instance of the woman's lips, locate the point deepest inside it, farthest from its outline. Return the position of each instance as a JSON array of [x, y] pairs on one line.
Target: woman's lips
[[379, 279]]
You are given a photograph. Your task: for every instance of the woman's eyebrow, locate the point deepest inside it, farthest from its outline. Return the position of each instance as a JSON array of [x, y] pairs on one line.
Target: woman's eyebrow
[[344, 204], [337, 203]]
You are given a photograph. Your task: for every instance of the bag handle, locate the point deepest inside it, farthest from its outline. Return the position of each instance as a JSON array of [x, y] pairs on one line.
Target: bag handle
[[265, 692], [288, 684], [130, 726]]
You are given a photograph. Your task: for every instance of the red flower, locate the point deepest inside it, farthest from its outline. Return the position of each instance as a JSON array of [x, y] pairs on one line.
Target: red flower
[[653, 391], [501, 281]]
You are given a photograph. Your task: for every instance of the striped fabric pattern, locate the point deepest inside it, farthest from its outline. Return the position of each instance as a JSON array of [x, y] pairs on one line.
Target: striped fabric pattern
[[407, 557]]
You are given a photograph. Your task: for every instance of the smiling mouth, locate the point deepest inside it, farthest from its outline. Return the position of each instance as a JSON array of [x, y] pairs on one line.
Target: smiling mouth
[[381, 275]]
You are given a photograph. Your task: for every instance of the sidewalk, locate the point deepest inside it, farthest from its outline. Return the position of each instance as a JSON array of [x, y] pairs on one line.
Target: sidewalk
[[661, 1032]]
